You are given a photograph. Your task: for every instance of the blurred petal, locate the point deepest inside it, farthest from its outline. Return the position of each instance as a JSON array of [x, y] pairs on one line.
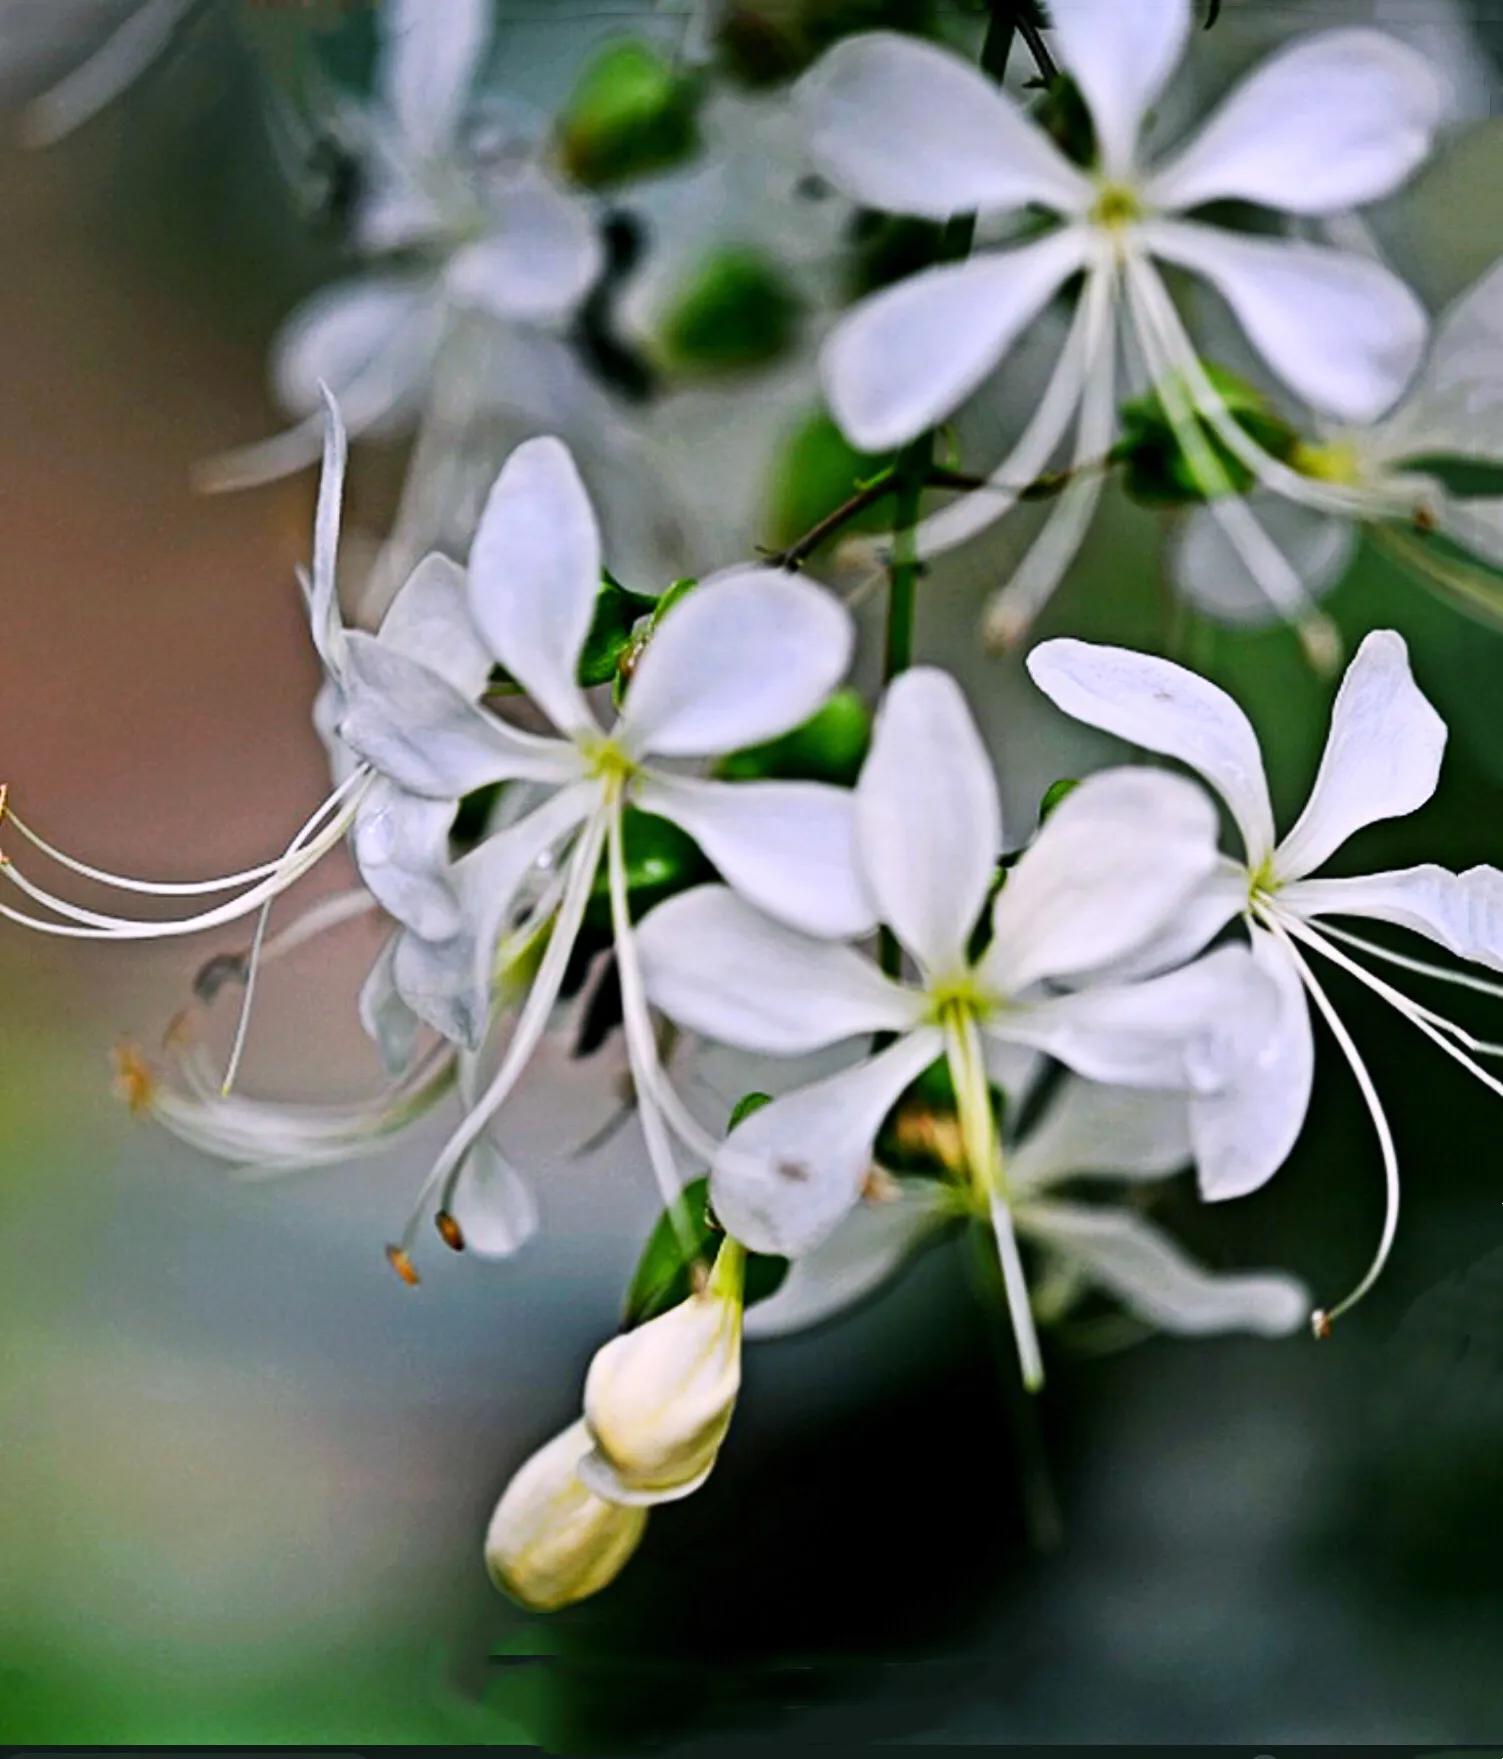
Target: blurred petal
[[430, 53], [928, 822], [542, 258], [741, 659], [1463, 912], [1341, 330], [906, 126], [1212, 572], [429, 621], [1165, 708], [903, 359], [786, 1177], [863, 1252], [368, 334], [1329, 123], [1112, 861], [1190, 1031], [1089, 1128], [716, 965], [1382, 756], [534, 574], [421, 733], [1456, 404], [1121, 54], [789, 847], [1244, 1133], [493, 1204], [1150, 1274], [401, 847]]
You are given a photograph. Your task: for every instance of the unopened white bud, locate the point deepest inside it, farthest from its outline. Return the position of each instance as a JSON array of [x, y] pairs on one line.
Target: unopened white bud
[[552, 1541], [658, 1400]]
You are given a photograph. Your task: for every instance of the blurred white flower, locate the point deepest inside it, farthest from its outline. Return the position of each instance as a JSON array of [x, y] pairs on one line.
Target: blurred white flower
[[1086, 1129], [1116, 858], [1329, 123], [744, 657], [490, 228], [552, 1541], [659, 1399], [1452, 412], [1382, 760]]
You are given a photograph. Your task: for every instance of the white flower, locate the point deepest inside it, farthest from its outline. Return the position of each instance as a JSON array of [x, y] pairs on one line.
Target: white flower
[[492, 230], [1117, 857], [745, 656], [659, 1399], [552, 1541], [1382, 760], [1453, 411], [1085, 1129], [1331, 122]]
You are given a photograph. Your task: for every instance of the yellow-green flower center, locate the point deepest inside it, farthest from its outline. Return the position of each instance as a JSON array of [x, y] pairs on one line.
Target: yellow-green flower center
[[953, 1000], [1117, 206], [1262, 883], [608, 761], [1334, 461]]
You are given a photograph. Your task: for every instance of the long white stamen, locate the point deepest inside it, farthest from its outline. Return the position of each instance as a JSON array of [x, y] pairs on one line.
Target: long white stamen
[[1002, 490], [533, 1019], [119, 61], [1424, 967], [1019, 1306], [1013, 609], [641, 1047], [1322, 1320]]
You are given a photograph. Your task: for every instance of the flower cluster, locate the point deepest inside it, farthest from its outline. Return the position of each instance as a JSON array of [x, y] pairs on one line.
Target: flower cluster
[[1014, 1032]]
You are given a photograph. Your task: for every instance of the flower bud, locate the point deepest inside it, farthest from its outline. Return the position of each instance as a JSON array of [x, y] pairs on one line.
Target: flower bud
[[552, 1541], [658, 1400]]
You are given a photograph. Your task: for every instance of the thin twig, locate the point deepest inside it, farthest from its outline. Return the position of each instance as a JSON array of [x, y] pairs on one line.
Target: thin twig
[[794, 557]]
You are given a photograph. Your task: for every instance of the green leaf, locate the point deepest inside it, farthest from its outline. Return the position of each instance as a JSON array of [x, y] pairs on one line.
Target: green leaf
[[632, 113], [762, 42], [816, 470], [829, 747], [745, 1106], [1157, 471], [1469, 479], [1054, 793], [660, 860], [665, 1272], [617, 612], [735, 310]]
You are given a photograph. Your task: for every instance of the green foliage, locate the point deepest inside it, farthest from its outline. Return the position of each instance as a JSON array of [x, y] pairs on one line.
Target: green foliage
[[632, 113], [890, 247], [1157, 471], [762, 42], [745, 1106], [1469, 479], [660, 860], [617, 612], [829, 747], [816, 470], [665, 1273], [736, 310], [1055, 793]]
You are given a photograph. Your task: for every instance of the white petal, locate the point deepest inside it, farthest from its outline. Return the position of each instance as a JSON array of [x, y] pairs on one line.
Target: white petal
[[534, 574], [401, 847], [493, 1204], [786, 1177], [1189, 1031], [863, 1252], [1165, 708], [430, 52], [540, 261], [1456, 403], [388, 1021], [1114, 858], [1150, 1274], [449, 983], [429, 621], [419, 731], [1213, 574], [1244, 1133], [350, 336], [1191, 928], [900, 124], [906, 357], [789, 847], [1341, 330], [1329, 123], [927, 818], [716, 965], [1463, 912], [1382, 756], [743, 658], [1089, 1128], [324, 617], [1121, 54]]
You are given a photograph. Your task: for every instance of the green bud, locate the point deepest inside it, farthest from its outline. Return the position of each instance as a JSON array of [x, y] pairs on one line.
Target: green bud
[[735, 310], [1157, 471], [632, 113], [829, 747]]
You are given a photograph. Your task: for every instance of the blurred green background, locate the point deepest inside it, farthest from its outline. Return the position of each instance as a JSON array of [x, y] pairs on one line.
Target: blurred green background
[[243, 1472]]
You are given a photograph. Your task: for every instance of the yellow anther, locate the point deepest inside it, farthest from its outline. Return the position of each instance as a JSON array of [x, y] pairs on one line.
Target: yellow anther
[[135, 1079]]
